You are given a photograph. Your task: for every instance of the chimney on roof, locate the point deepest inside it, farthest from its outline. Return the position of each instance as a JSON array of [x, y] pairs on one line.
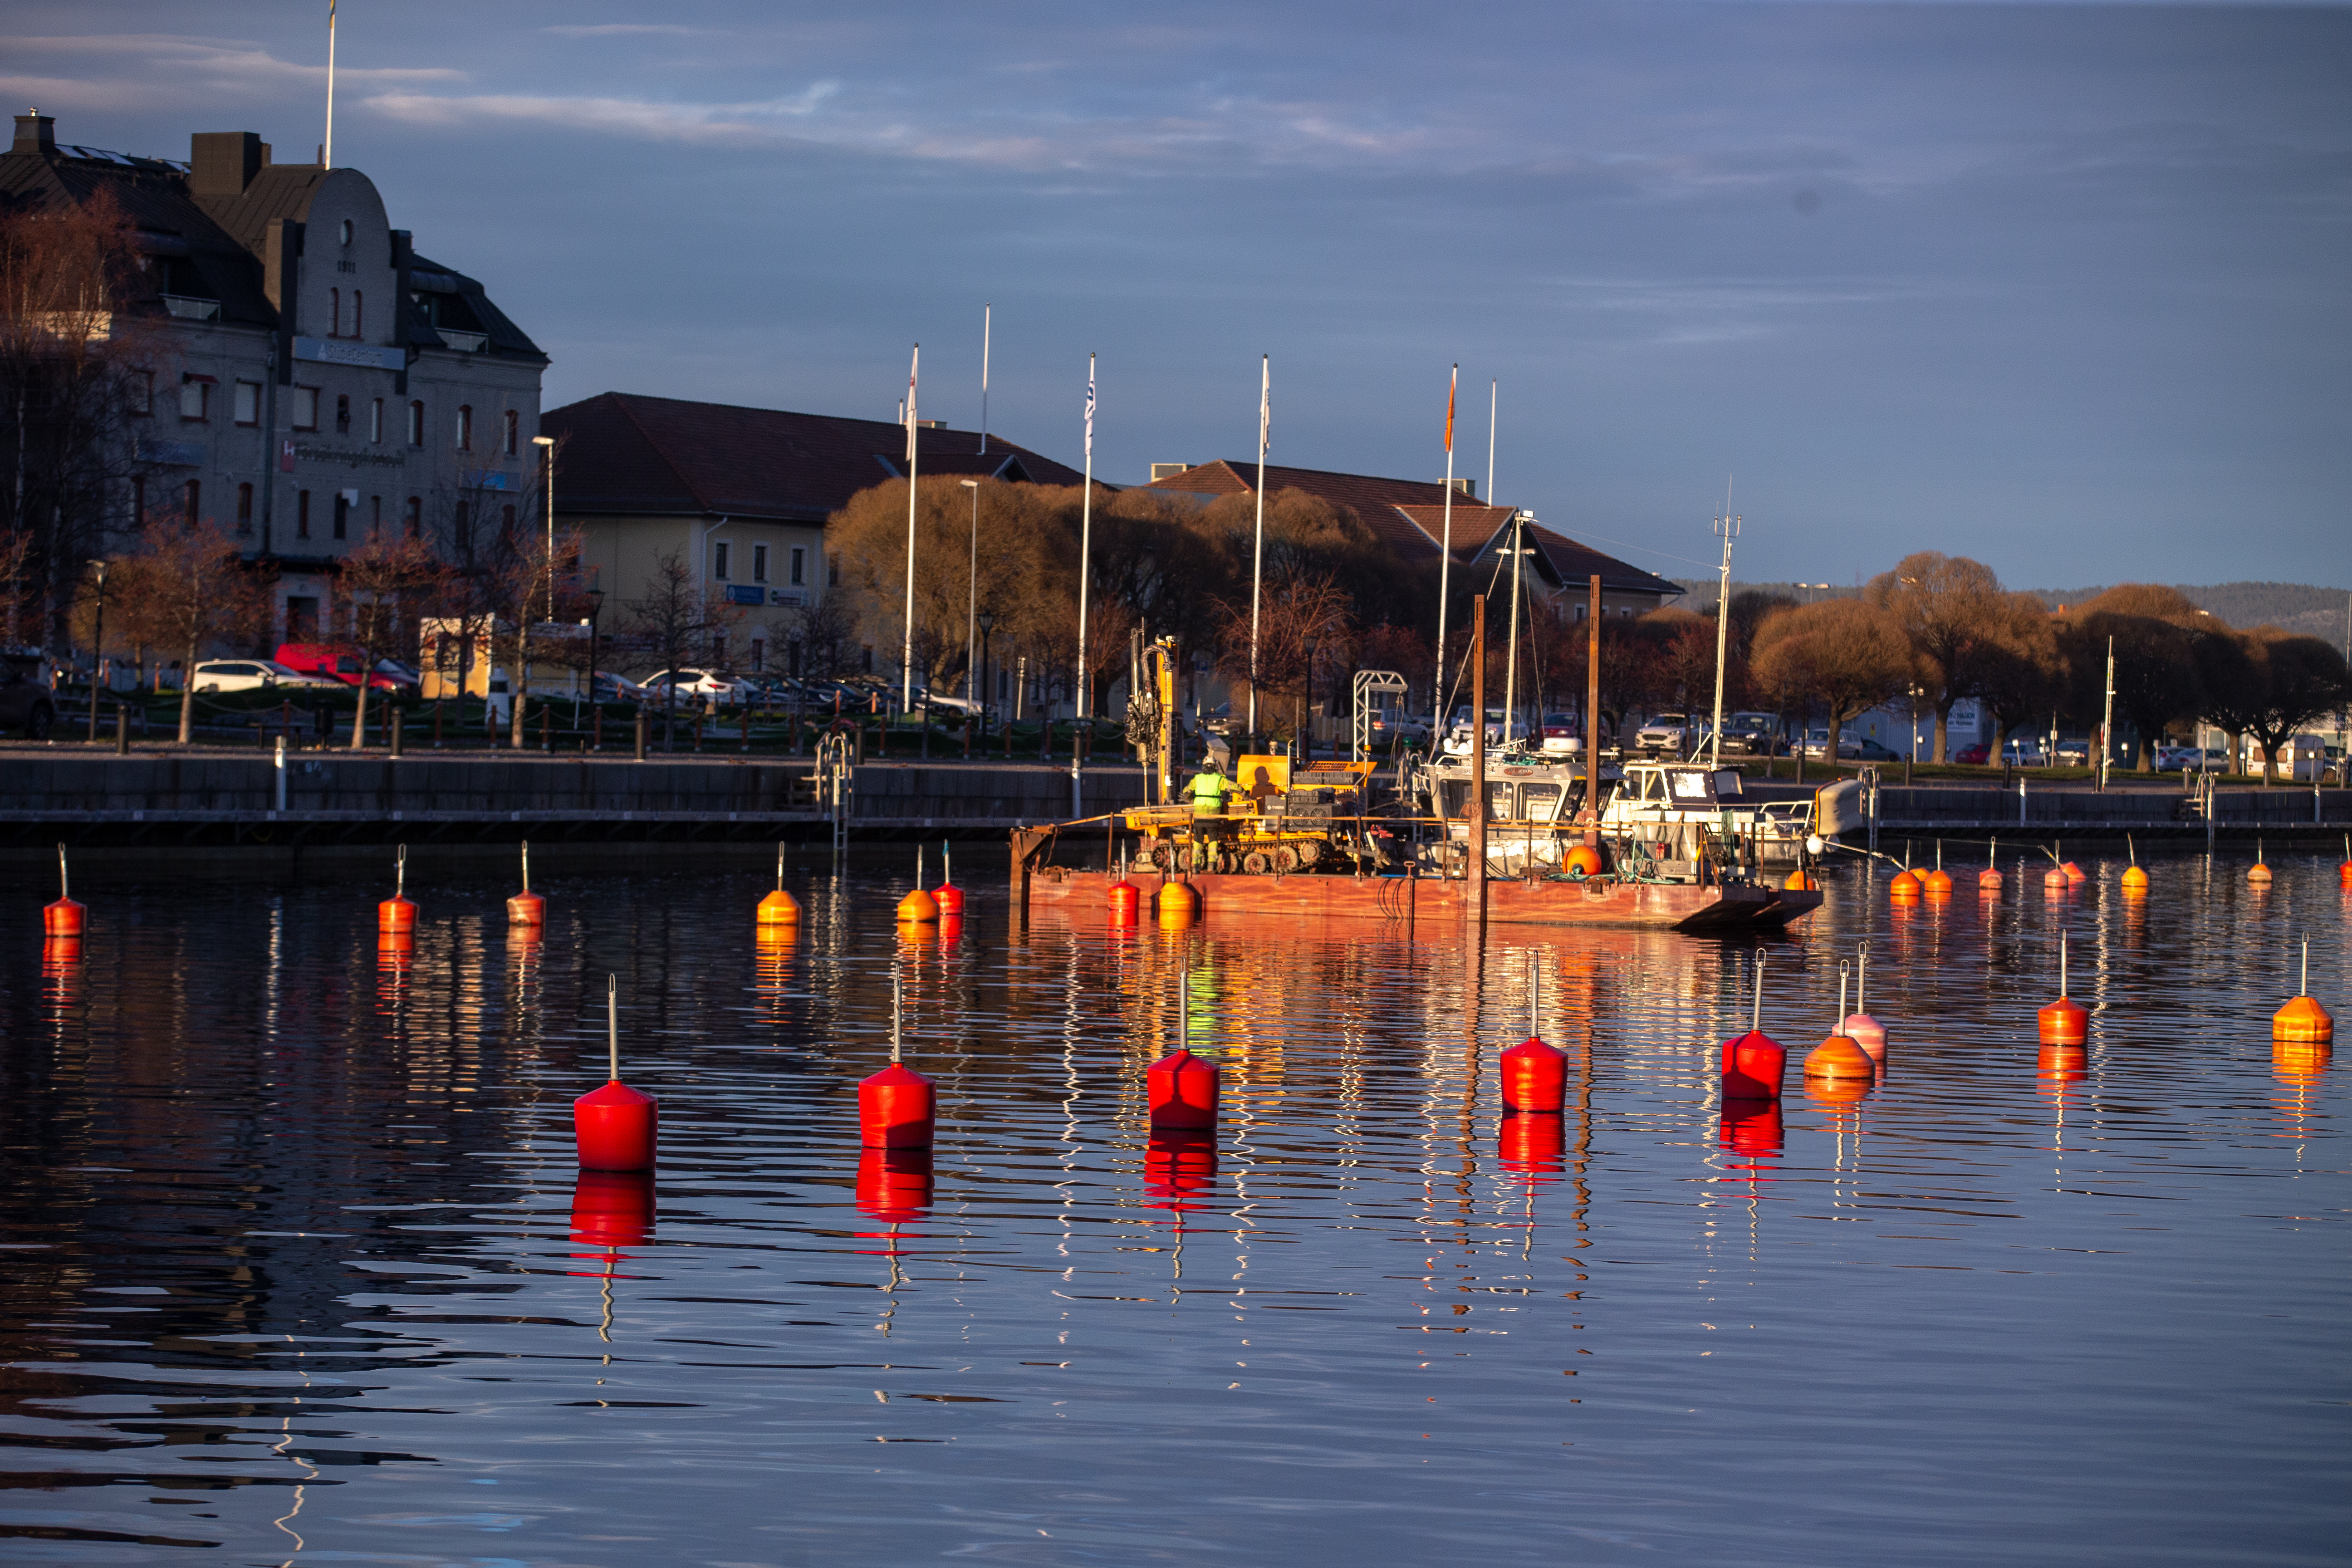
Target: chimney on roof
[[36, 132], [1167, 471], [222, 162], [1466, 487]]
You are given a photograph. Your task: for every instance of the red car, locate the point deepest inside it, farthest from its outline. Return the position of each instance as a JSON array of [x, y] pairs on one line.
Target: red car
[[337, 661], [1976, 755]]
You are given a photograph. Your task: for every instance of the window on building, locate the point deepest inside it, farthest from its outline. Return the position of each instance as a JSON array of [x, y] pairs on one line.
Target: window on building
[[245, 509], [800, 566], [196, 397], [301, 514], [719, 562], [191, 502], [342, 515], [357, 329], [347, 231], [139, 391], [416, 423], [306, 408], [245, 405], [759, 653], [464, 426], [334, 312], [415, 516], [1579, 611], [514, 432], [759, 563], [375, 419], [343, 414]]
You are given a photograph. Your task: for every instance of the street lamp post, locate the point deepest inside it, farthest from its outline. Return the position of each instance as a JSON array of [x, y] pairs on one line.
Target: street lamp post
[[986, 621], [595, 698], [1305, 697], [971, 586], [96, 649]]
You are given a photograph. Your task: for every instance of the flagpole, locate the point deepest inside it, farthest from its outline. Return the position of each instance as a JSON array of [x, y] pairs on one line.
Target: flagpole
[[1445, 586], [327, 153], [906, 651], [986, 314], [1257, 557], [1492, 396], [1086, 537]]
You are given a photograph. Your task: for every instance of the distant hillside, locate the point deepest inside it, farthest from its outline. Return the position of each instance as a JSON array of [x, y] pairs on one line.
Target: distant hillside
[[2291, 606]]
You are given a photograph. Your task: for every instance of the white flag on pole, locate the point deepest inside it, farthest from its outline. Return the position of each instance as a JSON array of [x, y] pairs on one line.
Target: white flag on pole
[[1090, 408], [1265, 404], [912, 368]]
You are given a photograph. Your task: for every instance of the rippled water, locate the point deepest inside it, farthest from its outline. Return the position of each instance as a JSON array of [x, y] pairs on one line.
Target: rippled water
[[293, 1271]]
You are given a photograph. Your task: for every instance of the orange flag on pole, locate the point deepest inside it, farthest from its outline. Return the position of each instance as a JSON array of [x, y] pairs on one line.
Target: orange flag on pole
[[1450, 388]]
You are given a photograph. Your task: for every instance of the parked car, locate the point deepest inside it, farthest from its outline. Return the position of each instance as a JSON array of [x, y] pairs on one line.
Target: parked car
[[255, 674], [1560, 736], [1667, 734], [1869, 751], [695, 684], [1751, 735], [2023, 754], [26, 702], [944, 702], [2074, 753], [339, 662], [1457, 737], [1974, 757]]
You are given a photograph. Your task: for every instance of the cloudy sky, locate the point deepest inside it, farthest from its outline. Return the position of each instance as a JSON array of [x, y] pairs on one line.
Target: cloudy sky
[[2060, 287]]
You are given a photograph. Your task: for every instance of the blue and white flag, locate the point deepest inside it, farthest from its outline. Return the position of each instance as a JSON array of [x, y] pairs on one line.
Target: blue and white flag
[[1090, 407]]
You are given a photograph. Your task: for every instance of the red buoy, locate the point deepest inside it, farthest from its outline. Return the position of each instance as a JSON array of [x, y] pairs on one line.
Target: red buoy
[[947, 895], [65, 917], [1182, 1090], [1755, 1065], [1535, 1075], [894, 1186], [2064, 1021], [1751, 1127], [526, 907], [1176, 1166], [396, 914], [896, 1107], [615, 1126], [2344, 870], [1531, 1146], [1125, 902]]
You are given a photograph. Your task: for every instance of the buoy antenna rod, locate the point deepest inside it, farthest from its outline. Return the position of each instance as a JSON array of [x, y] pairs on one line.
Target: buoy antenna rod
[[1755, 1002], [1535, 997], [1183, 1006], [1844, 969], [613, 1023], [898, 999], [780, 865], [2062, 963], [2302, 987], [400, 872], [1861, 980], [65, 888], [526, 865], [2131, 849], [947, 861], [918, 868]]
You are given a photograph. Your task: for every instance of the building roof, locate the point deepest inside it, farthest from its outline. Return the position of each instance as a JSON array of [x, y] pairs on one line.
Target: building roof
[[625, 454], [1408, 516]]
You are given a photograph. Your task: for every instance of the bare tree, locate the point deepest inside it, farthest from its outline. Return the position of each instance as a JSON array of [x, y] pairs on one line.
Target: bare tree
[[184, 588], [379, 581], [674, 621], [1950, 609], [2268, 684], [2019, 668], [1850, 653]]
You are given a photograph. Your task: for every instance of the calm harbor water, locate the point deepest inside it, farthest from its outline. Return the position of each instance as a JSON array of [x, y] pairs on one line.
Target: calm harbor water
[[297, 1271]]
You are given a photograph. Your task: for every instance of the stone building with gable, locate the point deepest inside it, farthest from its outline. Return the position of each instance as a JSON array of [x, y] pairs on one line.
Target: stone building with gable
[[314, 379]]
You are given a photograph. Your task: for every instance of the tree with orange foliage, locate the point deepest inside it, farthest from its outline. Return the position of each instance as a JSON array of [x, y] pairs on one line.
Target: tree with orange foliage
[[186, 587], [1848, 655]]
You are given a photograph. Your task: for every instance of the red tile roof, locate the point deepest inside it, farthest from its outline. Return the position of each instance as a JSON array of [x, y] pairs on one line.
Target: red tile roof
[[623, 453]]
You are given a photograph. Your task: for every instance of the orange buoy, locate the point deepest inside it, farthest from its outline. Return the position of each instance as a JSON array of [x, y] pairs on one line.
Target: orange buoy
[[2258, 873], [1859, 1027], [2344, 871], [65, 917], [894, 1185], [1904, 888], [947, 895], [526, 907], [2074, 873], [1583, 861], [917, 908], [1177, 902], [2064, 1021], [1799, 881], [1535, 1075], [394, 949], [2299, 1064], [2304, 1021], [1839, 1059], [1181, 1089], [2135, 883], [397, 913], [1755, 1065], [779, 908], [896, 1107], [1938, 883], [615, 1127]]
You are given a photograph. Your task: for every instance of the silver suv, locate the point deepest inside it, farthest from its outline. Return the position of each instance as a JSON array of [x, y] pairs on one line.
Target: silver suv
[[1668, 734]]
